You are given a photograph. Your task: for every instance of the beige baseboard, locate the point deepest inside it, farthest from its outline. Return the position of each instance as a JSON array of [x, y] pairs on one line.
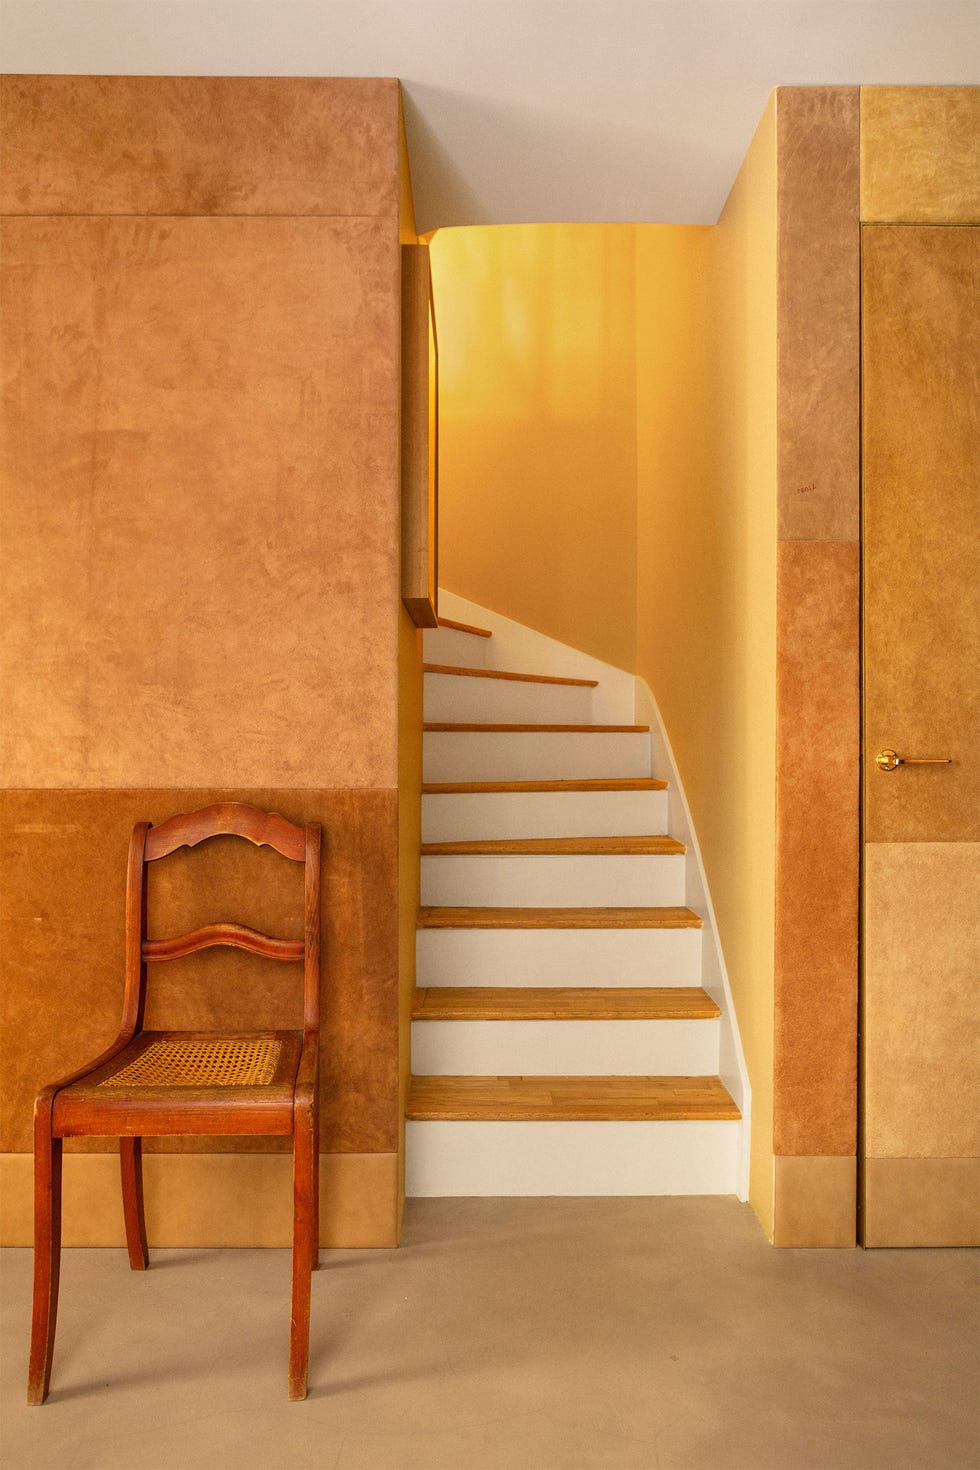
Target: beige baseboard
[[209, 1200], [922, 1202], [815, 1201]]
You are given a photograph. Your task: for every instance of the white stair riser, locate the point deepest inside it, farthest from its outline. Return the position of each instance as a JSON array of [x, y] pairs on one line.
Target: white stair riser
[[458, 697], [579, 880], [448, 646], [533, 756], [583, 1158], [600, 957], [671, 1048], [460, 816]]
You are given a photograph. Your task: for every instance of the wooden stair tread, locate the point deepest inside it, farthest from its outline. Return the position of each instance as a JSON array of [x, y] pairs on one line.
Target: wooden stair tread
[[509, 729], [464, 627], [557, 1099], [431, 917], [465, 673], [636, 783], [562, 1003], [553, 846]]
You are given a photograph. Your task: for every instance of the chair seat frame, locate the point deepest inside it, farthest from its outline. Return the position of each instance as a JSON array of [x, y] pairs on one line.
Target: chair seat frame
[[80, 1104]]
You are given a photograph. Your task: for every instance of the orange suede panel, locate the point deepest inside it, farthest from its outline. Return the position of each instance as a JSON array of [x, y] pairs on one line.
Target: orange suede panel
[[61, 936], [201, 514], [817, 834], [199, 145], [922, 593], [819, 250]]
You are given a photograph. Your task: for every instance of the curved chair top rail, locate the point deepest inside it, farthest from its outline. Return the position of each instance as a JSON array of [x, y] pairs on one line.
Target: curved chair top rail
[[239, 936], [227, 818]]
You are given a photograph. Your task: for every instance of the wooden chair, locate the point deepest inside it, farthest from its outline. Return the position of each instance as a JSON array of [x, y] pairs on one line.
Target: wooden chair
[[161, 1083]]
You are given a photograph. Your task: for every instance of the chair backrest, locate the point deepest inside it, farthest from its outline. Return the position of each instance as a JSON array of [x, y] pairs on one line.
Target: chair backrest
[[232, 819]]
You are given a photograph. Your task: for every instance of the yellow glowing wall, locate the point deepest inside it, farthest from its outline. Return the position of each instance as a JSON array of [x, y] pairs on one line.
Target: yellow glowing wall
[[537, 438], [706, 552]]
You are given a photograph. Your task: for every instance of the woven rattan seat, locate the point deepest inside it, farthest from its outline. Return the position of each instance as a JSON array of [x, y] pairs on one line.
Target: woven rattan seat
[[200, 1064], [211, 1083]]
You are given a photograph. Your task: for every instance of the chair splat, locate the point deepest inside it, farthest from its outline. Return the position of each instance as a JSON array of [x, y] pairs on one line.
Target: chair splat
[[238, 936]]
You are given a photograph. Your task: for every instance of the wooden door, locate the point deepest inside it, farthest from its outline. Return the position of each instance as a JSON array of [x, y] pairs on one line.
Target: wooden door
[[921, 971]]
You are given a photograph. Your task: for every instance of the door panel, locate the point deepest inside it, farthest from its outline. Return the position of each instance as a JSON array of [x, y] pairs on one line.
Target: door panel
[[921, 1018]]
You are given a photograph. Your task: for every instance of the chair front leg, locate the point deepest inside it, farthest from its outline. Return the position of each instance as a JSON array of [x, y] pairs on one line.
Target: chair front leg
[[131, 1170], [47, 1252], [304, 1235]]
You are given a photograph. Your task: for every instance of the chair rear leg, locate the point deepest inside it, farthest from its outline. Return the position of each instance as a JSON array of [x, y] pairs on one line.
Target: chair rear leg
[[303, 1245], [47, 1254], [131, 1170], [315, 1168]]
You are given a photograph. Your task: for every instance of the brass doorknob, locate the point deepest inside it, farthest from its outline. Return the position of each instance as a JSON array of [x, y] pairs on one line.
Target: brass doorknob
[[890, 760]]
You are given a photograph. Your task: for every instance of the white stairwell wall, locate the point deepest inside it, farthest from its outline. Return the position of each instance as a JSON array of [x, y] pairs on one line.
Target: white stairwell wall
[[563, 1157], [521, 650], [714, 974]]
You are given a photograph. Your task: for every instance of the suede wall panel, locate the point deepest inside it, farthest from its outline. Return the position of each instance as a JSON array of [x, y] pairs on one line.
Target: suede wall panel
[[201, 487], [922, 1202], [920, 155], [819, 320], [818, 668], [817, 820], [921, 1025], [61, 933], [207, 1200], [921, 1002], [815, 1200], [201, 503], [922, 606], [199, 145]]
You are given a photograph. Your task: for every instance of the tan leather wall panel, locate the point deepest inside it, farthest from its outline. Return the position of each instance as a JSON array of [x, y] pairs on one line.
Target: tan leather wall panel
[[819, 313], [922, 1008], [199, 145], [817, 816], [920, 154], [815, 1201], [207, 1200], [922, 607], [63, 880], [922, 1202], [818, 669], [201, 513]]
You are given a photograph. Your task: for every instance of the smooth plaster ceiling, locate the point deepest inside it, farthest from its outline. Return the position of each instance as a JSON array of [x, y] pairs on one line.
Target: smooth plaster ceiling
[[531, 110]]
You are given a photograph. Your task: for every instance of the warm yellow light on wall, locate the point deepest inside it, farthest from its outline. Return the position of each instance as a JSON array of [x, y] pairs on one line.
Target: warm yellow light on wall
[[533, 321], [537, 427]]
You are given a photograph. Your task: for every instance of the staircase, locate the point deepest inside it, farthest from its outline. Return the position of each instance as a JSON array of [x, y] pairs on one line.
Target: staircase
[[562, 1041]]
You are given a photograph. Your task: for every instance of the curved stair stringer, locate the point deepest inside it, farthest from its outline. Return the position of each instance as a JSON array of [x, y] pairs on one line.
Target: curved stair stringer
[[732, 1070]]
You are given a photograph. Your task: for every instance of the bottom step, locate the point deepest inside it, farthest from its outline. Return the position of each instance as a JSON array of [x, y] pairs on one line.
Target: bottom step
[[570, 1136], [446, 1160]]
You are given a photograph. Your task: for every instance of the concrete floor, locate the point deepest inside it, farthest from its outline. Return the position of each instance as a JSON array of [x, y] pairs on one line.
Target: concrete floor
[[544, 1334]]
